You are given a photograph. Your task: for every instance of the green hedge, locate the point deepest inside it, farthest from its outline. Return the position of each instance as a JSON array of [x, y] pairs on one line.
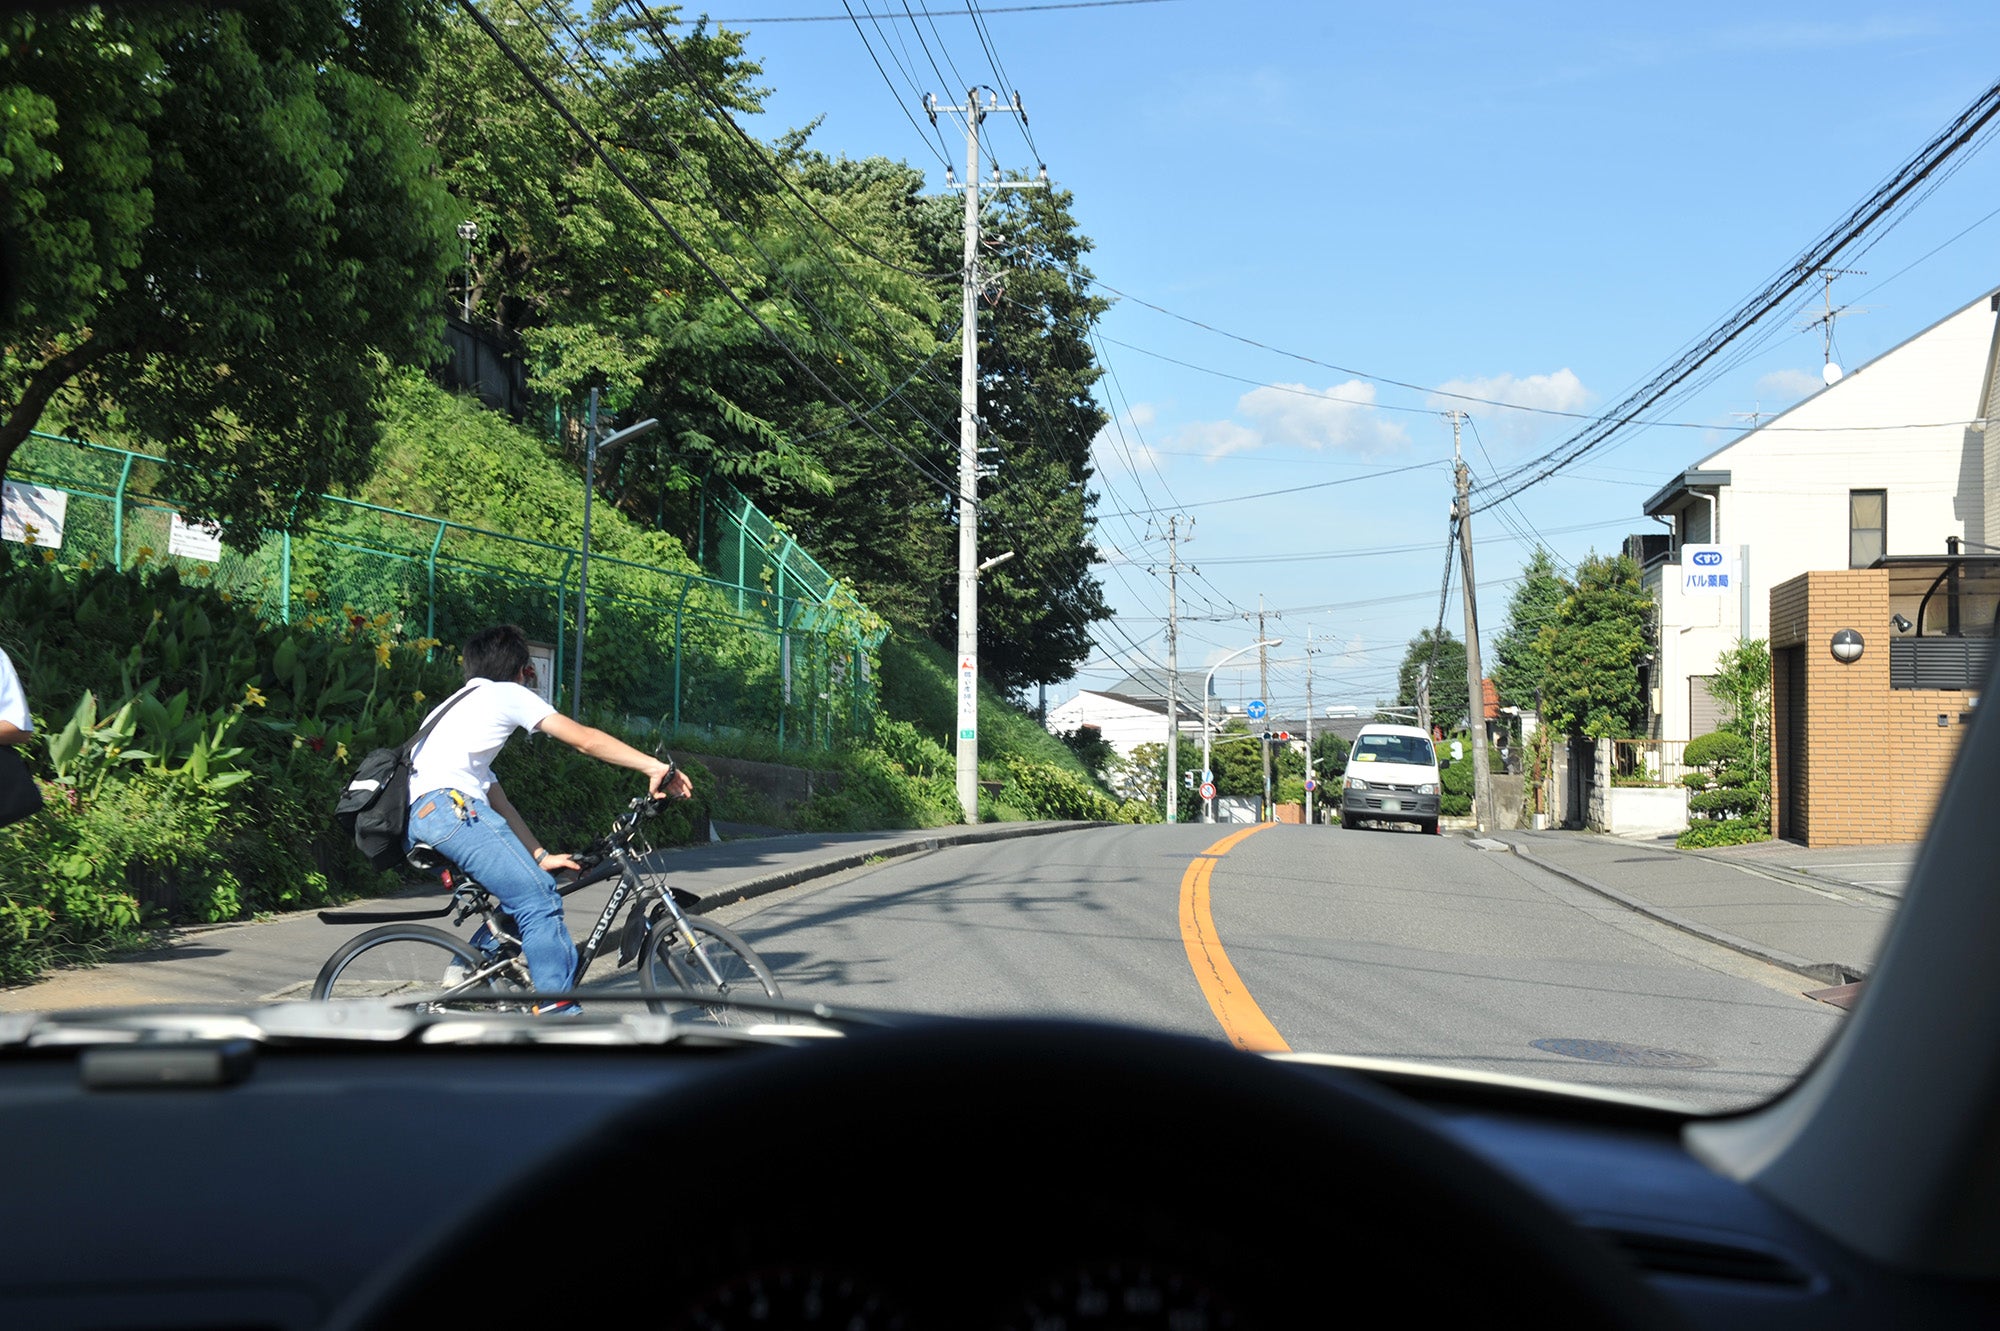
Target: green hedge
[[191, 755]]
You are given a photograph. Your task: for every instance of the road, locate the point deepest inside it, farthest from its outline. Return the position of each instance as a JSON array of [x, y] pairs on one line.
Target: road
[[1370, 943]]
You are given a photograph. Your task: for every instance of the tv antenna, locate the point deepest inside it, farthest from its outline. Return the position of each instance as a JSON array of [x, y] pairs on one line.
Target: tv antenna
[[1831, 372]]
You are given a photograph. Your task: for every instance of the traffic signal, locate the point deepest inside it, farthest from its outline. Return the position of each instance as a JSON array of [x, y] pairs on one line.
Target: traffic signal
[[1269, 735], [1285, 735], [1187, 779]]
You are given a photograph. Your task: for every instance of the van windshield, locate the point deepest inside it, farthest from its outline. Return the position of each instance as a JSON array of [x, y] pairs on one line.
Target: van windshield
[[1411, 749]]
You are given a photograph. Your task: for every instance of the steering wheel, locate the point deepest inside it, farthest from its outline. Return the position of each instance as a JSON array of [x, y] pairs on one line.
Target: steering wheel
[[974, 1173]]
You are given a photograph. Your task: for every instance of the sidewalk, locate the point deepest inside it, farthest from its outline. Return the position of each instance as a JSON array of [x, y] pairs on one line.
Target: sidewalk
[[278, 957], [1782, 904]]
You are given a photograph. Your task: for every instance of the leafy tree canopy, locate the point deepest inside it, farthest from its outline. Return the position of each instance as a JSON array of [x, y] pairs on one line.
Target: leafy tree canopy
[[1444, 657], [226, 230], [1602, 632], [1519, 662]]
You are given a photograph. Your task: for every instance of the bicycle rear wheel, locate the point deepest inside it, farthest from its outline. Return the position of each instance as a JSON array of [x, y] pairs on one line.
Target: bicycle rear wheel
[[706, 960], [412, 964]]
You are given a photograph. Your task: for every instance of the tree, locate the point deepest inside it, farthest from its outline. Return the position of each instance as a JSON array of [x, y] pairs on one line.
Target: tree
[[1329, 753], [1519, 661], [1602, 632], [1742, 683], [227, 233], [1036, 369], [1444, 656]]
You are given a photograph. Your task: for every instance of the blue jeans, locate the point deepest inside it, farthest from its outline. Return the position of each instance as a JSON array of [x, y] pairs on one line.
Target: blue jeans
[[484, 846]]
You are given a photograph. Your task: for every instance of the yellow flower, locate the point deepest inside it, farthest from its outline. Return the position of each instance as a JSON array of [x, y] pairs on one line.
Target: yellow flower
[[145, 553], [340, 753], [158, 616], [417, 696], [309, 596], [29, 532], [252, 696], [48, 556], [298, 743], [381, 653], [227, 597]]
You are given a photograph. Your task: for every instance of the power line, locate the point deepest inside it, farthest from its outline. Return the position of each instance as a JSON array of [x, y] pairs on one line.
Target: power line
[[1830, 247], [945, 13], [555, 103]]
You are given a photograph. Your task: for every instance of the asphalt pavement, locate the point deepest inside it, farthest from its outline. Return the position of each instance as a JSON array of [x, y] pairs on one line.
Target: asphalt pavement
[[1823, 914], [277, 957]]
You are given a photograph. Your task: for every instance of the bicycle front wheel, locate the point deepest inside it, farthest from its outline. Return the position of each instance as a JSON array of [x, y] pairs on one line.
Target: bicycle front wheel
[[708, 961], [410, 964]]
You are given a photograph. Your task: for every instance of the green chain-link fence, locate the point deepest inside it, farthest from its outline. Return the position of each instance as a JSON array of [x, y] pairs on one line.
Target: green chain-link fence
[[766, 643]]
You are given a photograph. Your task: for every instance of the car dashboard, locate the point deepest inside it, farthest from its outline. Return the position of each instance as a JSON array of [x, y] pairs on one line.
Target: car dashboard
[[944, 1184]]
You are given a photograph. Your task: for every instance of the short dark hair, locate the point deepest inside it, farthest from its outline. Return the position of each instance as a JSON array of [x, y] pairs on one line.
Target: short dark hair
[[499, 653]]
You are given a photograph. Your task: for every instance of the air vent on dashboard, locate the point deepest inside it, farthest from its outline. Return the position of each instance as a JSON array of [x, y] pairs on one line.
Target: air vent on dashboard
[[1658, 1254]]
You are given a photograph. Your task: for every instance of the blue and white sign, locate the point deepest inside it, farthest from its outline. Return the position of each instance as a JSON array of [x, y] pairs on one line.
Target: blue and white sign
[[1255, 710], [1707, 570]]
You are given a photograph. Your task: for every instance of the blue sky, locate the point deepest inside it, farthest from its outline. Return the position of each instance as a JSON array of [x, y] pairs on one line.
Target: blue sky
[[1538, 205]]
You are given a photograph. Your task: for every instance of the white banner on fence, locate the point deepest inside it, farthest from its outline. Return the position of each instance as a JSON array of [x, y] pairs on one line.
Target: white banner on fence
[[195, 540], [34, 506]]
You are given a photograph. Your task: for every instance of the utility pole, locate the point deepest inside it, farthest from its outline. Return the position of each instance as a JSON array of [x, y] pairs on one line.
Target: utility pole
[[974, 112], [1475, 684], [1309, 725], [1173, 797], [1424, 696], [1264, 693]]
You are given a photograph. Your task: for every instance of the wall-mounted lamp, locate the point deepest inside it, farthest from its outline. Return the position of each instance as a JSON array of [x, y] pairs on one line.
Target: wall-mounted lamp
[[1902, 625], [1847, 646]]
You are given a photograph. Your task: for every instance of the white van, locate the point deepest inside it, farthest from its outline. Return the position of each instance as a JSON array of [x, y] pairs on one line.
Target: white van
[[1392, 777]]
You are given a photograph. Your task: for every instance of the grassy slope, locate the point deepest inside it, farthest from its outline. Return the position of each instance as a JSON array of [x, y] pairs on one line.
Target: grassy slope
[[919, 686], [452, 458]]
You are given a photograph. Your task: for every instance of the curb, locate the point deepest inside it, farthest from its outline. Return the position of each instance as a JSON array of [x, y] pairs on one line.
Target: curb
[[854, 859], [1822, 971]]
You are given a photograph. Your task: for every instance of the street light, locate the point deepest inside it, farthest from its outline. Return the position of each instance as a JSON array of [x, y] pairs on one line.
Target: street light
[[1208, 804], [583, 565], [468, 231]]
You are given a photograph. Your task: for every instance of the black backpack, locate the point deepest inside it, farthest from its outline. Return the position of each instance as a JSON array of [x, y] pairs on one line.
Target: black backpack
[[375, 807]]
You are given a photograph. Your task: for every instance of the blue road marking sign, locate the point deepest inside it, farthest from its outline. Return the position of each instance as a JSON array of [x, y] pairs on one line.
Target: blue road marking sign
[[1255, 710]]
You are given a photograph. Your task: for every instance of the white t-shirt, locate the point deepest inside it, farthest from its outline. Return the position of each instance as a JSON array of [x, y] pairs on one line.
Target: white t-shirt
[[459, 753], [13, 702]]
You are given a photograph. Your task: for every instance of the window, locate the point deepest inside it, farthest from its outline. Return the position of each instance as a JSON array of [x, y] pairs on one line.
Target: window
[[1867, 526]]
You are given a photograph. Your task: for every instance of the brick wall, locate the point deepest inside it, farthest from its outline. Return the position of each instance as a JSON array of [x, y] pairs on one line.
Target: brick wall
[[1875, 758]]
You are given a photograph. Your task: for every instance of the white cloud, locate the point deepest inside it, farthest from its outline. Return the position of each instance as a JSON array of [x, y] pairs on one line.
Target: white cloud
[[1561, 391], [1341, 418], [1787, 386], [1118, 449]]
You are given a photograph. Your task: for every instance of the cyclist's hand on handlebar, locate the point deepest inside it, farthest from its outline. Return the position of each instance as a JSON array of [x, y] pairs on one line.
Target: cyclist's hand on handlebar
[[555, 860], [665, 781]]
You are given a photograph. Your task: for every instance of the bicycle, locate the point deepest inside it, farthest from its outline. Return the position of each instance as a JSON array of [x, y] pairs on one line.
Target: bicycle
[[682, 958]]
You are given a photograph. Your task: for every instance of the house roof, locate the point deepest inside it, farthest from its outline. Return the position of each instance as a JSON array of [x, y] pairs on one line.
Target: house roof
[[1151, 683], [1991, 296], [1670, 495]]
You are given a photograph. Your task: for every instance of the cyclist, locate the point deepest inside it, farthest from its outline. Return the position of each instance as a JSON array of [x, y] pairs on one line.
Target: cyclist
[[460, 809]]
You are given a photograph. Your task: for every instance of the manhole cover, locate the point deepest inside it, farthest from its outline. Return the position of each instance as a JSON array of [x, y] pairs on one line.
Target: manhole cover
[[1625, 1055]]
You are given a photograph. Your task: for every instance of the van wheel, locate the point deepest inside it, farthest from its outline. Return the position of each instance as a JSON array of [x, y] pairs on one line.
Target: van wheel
[[1348, 822], [1431, 828]]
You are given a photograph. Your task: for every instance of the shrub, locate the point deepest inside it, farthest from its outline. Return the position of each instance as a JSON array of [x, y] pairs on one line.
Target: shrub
[[1729, 832], [1042, 790]]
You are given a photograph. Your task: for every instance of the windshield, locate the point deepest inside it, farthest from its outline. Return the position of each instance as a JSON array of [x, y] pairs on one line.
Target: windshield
[[1410, 749], [973, 474]]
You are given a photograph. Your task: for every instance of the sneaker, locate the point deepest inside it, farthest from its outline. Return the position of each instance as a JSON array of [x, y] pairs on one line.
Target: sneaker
[[565, 1007]]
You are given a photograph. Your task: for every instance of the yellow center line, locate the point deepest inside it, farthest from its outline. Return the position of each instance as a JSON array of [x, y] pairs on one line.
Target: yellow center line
[[1242, 1020]]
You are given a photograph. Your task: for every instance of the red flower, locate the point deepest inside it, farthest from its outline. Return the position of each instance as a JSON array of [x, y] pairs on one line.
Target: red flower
[[316, 743]]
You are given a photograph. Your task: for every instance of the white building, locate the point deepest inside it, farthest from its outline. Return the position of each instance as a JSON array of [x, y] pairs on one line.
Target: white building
[[1125, 722], [1893, 459]]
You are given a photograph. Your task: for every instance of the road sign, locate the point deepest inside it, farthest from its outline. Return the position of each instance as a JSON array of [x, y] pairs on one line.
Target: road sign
[[1255, 711], [1208, 790], [1207, 774], [1312, 785]]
